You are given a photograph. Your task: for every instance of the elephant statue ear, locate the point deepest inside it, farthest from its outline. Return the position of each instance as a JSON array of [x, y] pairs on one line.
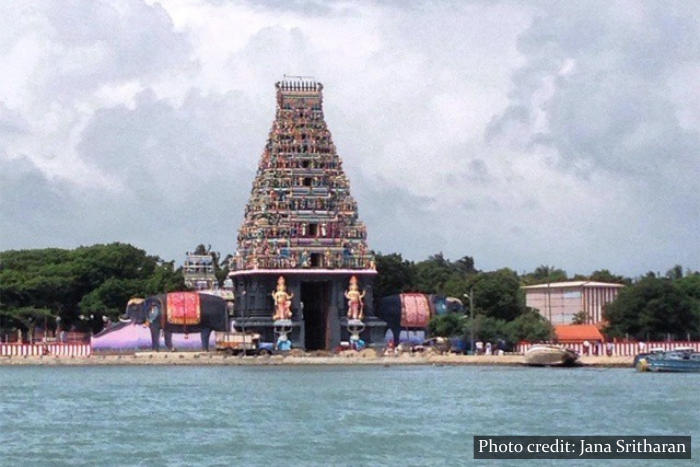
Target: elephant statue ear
[[148, 304], [153, 314], [148, 312]]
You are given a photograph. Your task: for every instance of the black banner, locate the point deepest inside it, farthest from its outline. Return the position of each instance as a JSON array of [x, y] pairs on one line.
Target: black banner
[[582, 447]]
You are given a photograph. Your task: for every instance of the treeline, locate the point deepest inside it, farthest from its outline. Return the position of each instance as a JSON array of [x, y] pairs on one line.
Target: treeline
[[500, 314], [77, 287], [651, 307], [438, 274], [81, 286], [657, 308]]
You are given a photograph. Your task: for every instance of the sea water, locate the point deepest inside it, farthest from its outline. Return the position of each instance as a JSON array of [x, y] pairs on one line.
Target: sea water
[[340, 415]]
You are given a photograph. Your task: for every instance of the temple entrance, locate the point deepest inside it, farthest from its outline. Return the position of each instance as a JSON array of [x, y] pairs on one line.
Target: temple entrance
[[315, 296]]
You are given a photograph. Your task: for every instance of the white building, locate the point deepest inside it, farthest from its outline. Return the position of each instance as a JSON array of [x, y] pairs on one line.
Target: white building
[[199, 272], [559, 302]]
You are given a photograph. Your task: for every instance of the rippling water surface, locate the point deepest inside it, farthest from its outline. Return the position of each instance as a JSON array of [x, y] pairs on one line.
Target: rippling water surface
[[411, 415]]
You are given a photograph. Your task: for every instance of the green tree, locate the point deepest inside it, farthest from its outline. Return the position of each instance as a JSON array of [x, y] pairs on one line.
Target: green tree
[[26, 318], [465, 265], [497, 294], [432, 274], [68, 283], [690, 285], [603, 275], [580, 318], [438, 275], [456, 286], [110, 297], [201, 250], [543, 274], [394, 275], [165, 279], [653, 308], [222, 271], [447, 325], [529, 326], [675, 273], [486, 328]]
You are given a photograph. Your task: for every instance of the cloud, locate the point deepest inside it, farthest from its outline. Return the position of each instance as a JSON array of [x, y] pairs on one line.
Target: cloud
[[594, 92], [518, 134]]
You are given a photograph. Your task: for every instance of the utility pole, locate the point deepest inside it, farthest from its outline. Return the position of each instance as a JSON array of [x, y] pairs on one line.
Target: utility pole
[[471, 313], [470, 296]]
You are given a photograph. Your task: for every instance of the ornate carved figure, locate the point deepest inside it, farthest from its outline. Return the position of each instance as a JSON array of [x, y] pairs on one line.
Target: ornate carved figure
[[283, 301], [300, 192], [305, 259], [355, 296]]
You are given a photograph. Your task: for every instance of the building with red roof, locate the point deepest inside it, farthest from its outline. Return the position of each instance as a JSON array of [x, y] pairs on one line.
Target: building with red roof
[[577, 333]]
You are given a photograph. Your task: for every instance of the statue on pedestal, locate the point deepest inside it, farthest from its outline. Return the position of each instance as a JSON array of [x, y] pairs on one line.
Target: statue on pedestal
[[305, 259], [327, 259], [283, 301], [355, 296]]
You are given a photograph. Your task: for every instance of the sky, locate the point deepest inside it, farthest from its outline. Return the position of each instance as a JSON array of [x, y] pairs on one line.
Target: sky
[[518, 133]]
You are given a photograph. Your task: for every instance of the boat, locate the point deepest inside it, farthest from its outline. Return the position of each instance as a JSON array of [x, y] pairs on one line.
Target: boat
[[682, 360], [550, 355], [653, 351]]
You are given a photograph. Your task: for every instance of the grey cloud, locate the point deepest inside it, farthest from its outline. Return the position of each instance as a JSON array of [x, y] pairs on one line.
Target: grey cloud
[[609, 181], [185, 180], [96, 42], [396, 219], [137, 39], [309, 8], [35, 211], [612, 111], [612, 108], [515, 115], [11, 122], [186, 170]]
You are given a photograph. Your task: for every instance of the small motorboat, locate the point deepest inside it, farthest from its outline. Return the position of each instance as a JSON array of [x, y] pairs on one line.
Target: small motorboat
[[684, 360], [639, 356], [550, 355]]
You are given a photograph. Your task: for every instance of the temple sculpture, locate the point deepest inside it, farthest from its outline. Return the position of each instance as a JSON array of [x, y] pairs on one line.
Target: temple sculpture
[[301, 225], [283, 301], [355, 296]]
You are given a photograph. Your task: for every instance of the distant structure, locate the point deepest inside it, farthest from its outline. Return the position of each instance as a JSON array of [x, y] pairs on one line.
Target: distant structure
[[301, 237], [199, 272], [559, 302], [578, 334]]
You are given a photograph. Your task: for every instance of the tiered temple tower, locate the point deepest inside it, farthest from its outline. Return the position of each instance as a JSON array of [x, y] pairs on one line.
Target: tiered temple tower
[[199, 272], [301, 223]]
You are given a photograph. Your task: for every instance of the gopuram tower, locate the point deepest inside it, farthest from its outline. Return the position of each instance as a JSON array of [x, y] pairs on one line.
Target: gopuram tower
[[302, 268]]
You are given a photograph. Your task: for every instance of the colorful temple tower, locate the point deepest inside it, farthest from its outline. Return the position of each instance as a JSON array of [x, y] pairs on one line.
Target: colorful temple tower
[[301, 244]]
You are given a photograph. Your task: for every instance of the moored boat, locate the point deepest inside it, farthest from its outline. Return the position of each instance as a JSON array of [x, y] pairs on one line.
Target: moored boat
[[550, 355], [677, 361]]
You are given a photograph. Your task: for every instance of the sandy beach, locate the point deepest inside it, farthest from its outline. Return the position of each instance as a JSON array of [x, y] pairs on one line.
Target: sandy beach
[[367, 357]]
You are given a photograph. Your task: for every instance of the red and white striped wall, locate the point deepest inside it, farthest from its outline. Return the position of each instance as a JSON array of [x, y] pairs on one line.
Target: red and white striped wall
[[58, 350], [623, 349]]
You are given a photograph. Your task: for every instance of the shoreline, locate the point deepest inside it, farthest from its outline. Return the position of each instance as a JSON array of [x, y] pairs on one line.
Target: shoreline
[[361, 359]]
